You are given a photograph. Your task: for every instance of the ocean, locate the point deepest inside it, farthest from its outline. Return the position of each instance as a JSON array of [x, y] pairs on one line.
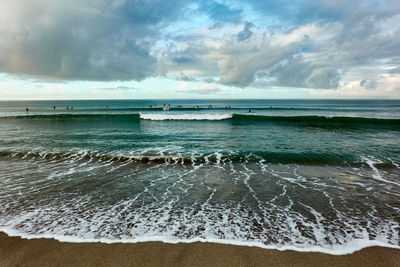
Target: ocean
[[306, 175]]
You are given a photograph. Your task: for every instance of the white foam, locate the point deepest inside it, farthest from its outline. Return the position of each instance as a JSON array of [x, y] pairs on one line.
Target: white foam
[[205, 116], [183, 204], [377, 175], [345, 249]]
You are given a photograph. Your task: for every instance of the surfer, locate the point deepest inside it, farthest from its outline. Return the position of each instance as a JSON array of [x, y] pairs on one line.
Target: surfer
[[54, 107], [27, 109], [249, 111]]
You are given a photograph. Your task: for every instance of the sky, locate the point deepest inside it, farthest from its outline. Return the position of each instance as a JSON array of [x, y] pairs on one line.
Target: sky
[[179, 49]]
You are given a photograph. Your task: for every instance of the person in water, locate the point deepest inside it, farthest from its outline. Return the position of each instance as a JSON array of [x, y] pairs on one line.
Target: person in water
[[249, 111], [27, 109], [54, 107]]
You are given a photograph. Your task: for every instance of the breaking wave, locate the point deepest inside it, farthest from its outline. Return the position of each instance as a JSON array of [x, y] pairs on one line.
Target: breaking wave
[[308, 158]]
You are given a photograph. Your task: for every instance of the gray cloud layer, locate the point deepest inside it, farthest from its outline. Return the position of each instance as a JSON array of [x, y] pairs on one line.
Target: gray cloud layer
[[81, 40], [300, 46]]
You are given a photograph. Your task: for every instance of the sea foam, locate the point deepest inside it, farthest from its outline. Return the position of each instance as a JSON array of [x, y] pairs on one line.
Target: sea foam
[[163, 117]]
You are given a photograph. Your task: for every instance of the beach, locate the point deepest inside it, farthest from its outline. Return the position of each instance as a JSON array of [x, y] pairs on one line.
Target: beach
[[15, 251], [199, 133]]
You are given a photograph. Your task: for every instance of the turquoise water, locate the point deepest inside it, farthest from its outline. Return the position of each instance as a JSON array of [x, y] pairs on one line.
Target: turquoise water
[[315, 175]]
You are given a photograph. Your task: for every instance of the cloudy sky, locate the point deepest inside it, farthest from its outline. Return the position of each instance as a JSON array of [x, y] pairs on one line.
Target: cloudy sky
[[93, 49]]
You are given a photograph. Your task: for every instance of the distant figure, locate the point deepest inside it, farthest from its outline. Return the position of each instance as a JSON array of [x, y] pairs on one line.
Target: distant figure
[[54, 107], [67, 108], [249, 111], [107, 106], [27, 109]]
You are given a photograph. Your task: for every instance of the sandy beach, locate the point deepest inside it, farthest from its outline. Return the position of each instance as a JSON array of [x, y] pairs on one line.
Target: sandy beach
[[15, 251]]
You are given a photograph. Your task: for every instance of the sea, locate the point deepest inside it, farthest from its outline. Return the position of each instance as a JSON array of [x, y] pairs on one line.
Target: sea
[[304, 175]]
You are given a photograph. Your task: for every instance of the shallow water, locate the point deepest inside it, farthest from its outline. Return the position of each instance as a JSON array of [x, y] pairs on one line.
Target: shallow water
[[305, 175]]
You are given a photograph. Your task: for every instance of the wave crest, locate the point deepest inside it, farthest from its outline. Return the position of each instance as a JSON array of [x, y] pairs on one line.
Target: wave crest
[[189, 117]]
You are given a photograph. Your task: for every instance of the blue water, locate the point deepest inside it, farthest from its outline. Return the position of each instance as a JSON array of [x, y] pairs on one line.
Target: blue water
[[310, 175]]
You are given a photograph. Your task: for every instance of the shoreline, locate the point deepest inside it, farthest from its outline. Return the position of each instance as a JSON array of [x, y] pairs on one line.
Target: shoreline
[[44, 252]]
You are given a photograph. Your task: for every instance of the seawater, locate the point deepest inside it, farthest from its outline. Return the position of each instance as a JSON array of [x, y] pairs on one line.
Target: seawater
[[307, 175]]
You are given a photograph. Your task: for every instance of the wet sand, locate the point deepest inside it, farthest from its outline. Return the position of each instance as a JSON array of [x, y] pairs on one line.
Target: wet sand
[[15, 251]]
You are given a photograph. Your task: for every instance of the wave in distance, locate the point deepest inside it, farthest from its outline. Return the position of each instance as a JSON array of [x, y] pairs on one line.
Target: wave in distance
[[311, 121]]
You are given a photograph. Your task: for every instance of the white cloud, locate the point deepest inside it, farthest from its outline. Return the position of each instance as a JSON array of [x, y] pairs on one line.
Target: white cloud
[[207, 89]]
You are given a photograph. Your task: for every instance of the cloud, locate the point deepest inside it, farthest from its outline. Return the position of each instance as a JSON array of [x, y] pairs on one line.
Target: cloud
[[246, 33], [207, 90], [319, 55], [297, 71], [299, 43], [385, 85], [75, 40], [118, 88], [220, 12], [183, 77], [367, 84]]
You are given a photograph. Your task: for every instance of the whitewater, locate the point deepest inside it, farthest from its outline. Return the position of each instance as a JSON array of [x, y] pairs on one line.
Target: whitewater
[[317, 176]]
